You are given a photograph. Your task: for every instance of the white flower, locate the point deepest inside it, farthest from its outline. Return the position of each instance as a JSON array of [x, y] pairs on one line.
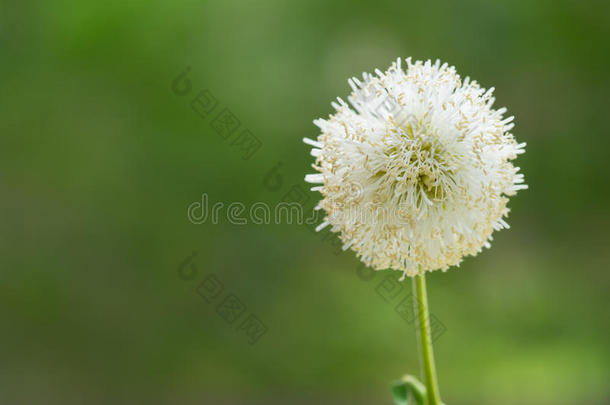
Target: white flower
[[417, 174]]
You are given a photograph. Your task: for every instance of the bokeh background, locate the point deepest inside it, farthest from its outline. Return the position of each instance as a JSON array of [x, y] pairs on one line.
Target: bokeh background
[[99, 160]]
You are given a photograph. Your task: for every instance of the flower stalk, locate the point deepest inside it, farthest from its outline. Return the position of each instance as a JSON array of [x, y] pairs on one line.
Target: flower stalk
[[425, 340]]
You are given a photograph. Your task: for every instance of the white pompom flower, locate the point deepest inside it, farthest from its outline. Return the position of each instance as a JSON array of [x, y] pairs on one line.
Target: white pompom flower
[[417, 175]]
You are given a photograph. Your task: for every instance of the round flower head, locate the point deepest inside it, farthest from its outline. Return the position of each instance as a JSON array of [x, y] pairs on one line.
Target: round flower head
[[417, 174]]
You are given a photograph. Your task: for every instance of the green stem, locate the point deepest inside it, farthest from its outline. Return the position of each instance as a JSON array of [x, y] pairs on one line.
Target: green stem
[[425, 340]]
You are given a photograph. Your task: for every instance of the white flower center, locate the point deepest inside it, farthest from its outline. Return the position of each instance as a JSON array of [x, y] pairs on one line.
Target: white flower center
[[417, 165]]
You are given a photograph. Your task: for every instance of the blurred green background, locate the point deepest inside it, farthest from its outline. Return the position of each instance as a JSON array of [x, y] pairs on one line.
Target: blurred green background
[[99, 161]]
